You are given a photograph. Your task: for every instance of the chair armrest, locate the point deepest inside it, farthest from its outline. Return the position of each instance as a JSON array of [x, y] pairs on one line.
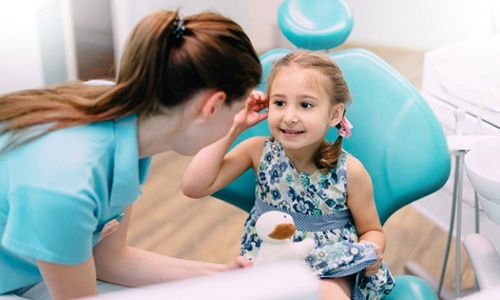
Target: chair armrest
[[269, 281], [485, 260]]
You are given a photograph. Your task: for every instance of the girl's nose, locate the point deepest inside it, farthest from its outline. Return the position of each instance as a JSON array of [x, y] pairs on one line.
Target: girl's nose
[[290, 116]]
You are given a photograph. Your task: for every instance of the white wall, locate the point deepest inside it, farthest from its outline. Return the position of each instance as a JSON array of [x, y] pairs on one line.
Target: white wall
[[20, 60], [256, 17], [262, 26], [418, 24], [422, 24], [127, 13], [34, 53]]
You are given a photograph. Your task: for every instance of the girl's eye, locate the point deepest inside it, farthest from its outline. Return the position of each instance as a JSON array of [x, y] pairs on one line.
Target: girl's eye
[[279, 103], [306, 105]]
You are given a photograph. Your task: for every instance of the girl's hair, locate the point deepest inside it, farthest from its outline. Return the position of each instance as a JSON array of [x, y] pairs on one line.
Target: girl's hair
[[327, 156], [167, 59]]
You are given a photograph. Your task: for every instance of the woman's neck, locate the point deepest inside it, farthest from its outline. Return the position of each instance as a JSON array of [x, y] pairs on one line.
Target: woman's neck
[[158, 134]]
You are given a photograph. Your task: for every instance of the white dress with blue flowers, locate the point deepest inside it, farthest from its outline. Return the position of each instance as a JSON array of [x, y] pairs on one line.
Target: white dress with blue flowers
[[317, 203]]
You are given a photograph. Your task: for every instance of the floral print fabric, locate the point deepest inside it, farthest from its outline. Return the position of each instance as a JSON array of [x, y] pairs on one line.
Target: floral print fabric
[[318, 196]]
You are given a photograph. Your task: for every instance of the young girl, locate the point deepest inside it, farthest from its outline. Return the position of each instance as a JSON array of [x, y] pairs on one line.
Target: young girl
[[326, 190], [73, 157]]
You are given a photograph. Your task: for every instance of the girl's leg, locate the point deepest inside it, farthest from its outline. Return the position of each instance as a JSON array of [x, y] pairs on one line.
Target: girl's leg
[[337, 288]]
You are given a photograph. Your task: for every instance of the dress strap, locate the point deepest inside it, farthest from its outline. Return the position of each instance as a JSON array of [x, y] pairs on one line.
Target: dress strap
[[304, 222]]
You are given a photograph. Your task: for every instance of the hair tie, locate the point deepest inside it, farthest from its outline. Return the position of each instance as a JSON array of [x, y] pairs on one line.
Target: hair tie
[[345, 128], [179, 27]]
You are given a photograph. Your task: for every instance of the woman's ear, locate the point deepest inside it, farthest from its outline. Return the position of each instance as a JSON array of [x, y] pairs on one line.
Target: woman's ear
[[337, 114], [211, 103]]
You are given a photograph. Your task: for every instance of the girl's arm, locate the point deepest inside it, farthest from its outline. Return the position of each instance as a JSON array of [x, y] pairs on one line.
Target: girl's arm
[[361, 203], [211, 169]]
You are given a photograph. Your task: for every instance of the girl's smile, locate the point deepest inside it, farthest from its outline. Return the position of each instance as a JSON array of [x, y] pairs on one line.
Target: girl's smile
[[290, 134], [300, 110]]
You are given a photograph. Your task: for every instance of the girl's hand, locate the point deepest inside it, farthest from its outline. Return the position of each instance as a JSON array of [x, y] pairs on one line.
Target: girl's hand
[[252, 113], [373, 269], [239, 262]]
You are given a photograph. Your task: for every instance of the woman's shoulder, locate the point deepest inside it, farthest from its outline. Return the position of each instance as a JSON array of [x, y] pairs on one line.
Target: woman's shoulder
[[99, 82], [88, 137], [67, 150]]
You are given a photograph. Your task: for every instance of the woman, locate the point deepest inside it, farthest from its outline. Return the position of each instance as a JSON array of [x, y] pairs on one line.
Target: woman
[[73, 157]]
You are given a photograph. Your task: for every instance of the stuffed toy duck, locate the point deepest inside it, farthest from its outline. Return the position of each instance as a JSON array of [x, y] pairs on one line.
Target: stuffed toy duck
[[275, 229]]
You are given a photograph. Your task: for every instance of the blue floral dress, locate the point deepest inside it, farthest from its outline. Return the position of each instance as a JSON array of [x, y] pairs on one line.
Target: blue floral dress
[[317, 203]]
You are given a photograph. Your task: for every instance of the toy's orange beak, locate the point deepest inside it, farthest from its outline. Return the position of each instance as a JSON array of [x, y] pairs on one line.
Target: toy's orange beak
[[282, 231]]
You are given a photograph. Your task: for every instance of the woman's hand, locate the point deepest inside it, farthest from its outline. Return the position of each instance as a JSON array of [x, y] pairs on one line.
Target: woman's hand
[[239, 262], [252, 113]]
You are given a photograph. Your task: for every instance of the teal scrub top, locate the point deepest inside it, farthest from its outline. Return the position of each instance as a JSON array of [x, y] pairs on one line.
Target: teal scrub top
[[57, 192]]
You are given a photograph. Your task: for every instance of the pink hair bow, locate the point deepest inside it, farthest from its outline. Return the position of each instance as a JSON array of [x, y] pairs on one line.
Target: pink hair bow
[[345, 128]]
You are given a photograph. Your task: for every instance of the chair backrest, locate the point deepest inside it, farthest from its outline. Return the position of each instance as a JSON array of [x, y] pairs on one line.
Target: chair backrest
[[396, 135], [315, 25]]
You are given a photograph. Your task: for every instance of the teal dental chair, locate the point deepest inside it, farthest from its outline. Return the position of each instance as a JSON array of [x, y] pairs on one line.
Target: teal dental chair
[[396, 135]]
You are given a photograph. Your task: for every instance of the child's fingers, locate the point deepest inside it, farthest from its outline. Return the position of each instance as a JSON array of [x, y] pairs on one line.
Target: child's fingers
[[258, 96], [373, 269], [258, 104], [263, 116]]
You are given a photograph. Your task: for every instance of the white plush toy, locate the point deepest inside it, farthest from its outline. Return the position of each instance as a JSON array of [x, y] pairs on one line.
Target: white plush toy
[[276, 229]]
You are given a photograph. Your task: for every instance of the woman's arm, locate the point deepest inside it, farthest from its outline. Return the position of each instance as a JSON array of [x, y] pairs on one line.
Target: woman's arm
[[361, 203], [120, 264], [69, 281], [211, 169], [115, 262]]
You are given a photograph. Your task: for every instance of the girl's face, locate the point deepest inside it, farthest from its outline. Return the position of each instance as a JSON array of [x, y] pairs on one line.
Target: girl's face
[[300, 110]]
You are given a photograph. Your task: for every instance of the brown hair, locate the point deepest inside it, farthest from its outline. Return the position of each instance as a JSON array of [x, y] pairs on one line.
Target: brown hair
[[327, 156], [159, 68]]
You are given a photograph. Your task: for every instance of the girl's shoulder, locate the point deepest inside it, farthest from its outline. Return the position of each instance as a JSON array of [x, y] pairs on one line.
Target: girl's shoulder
[[253, 144], [250, 148], [355, 168], [351, 160], [344, 155]]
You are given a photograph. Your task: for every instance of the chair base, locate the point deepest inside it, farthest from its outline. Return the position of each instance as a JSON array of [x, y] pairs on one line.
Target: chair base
[[410, 287], [414, 269]]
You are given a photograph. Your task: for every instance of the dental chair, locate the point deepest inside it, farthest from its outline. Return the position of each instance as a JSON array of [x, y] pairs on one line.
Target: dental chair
[[481, 166], [396, 135]]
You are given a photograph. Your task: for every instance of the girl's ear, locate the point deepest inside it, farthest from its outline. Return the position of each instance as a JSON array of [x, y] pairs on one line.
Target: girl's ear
[[210, 103], [337, 114]]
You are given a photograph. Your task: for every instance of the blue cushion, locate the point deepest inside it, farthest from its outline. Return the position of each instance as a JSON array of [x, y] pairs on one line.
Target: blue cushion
[[315, 25], [411, 288], [396, 135]]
